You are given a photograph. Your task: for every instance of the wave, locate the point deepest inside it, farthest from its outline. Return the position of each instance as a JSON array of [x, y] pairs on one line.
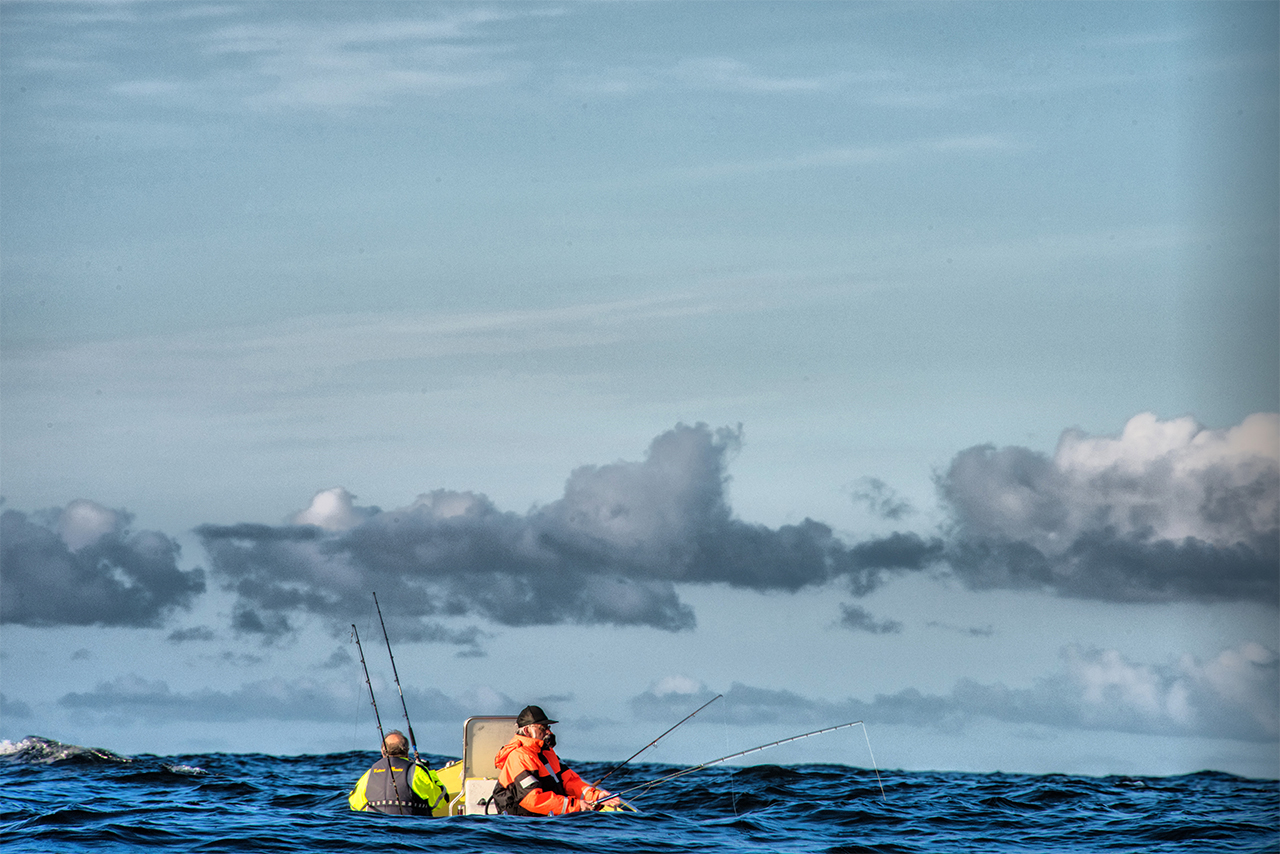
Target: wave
[[247, 803], [37, 750]]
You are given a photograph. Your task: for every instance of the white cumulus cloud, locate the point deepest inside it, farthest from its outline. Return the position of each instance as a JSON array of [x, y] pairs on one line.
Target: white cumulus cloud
[[1166, 510]]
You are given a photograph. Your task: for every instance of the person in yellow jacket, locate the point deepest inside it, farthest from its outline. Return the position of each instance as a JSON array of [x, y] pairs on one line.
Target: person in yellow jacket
[[396, 785], [531, 780]]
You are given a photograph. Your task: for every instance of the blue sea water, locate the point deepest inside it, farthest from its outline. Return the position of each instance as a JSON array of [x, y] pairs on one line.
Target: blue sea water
[[59, 797]]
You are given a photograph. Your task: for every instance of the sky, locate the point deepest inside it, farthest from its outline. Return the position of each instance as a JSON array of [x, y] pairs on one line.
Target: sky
[[908, 363]]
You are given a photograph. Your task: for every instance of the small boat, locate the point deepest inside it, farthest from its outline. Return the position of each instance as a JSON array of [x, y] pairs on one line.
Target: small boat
[[470, 781]]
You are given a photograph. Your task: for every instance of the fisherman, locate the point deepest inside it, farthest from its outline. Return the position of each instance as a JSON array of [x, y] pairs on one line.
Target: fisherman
[[531, 780], [396, 785]]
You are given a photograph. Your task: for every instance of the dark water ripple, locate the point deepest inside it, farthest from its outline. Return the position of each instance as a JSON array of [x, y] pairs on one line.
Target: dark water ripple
[[56, 798]]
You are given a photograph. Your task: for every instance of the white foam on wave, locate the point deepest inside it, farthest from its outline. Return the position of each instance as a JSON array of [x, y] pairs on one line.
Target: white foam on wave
[[33, 748], [192, 770]]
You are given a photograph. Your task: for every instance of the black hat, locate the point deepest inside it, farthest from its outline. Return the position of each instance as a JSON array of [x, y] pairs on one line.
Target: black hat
[[533, 715]]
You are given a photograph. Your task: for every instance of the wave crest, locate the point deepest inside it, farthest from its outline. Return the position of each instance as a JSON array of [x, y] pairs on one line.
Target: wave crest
[[38, 750]]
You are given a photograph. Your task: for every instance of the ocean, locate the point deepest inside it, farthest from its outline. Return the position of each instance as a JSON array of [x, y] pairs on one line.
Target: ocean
[[57, 797]]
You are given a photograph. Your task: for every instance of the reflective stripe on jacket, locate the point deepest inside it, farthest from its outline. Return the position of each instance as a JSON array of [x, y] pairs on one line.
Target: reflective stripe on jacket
[[405, 789], [543, 786]]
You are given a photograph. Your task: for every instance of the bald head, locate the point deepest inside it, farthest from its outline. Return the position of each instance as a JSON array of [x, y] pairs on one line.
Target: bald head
[[395, 744]]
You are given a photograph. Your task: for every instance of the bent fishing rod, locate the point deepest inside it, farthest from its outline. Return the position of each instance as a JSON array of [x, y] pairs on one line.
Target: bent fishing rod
[[597, 783], [647, 786], [413, 742], [355, 634]]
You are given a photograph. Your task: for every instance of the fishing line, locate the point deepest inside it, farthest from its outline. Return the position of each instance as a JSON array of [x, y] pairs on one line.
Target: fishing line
[[647, 786], [733, 788], [874, 767], [597, 783], [356, 740]]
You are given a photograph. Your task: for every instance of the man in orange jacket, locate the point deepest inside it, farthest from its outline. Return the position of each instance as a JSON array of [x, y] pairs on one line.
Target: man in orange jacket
[[531, 780]]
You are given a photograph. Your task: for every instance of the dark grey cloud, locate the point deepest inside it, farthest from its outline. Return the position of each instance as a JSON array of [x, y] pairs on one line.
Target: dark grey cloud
[[610, 551], [1166, 511], [1116, 567], [81, 565], [195, 633], [859, 619], [898, 551], [1230, 696]]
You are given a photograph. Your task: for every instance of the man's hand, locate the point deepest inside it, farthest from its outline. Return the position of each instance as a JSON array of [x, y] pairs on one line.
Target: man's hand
[[600, 799], [582, 805]]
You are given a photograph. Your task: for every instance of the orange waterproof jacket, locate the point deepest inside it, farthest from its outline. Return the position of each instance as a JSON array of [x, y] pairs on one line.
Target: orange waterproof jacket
[[548, 789]]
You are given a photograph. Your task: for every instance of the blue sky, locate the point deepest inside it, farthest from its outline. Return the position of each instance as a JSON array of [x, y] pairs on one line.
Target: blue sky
[[908, 362]]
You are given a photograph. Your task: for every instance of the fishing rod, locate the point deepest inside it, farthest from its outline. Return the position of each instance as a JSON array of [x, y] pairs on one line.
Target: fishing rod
[[597, 783], [390, 768], [413, 742], [647, 786]]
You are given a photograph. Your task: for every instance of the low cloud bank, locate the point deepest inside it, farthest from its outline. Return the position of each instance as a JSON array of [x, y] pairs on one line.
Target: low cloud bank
[[132, 697], [81, 565], [610, 551], [1166, 511], [1231, 696]]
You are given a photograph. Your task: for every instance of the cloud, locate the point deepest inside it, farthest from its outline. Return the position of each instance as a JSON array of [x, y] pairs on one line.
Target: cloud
[[339, 658], [333, 510], [845, 157], [732, 75], [81, 565], [972, 631], [13, 709], [1165, 511], [238, 659], [1234, 695], [133, 697], [227, 58], [250, 364], [859, 619], [336, 64], [880, 499], [610, 551], [896, 551], [747, 705], [195, 633]]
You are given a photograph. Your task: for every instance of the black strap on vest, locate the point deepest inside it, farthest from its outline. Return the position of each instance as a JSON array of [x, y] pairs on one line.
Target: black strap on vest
[[553, 781]]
